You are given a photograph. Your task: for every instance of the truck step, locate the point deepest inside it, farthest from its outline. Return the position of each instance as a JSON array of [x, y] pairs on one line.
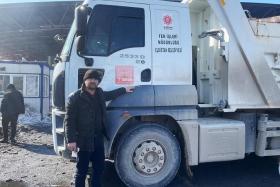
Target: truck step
[[268, 134]]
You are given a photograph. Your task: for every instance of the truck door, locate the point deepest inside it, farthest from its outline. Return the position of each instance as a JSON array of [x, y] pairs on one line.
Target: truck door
[[119, 40], [171, 45]]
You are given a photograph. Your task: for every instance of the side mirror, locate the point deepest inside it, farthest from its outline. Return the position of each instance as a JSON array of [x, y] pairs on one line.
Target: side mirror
[[80, 45], [81, 13], [81, 50]]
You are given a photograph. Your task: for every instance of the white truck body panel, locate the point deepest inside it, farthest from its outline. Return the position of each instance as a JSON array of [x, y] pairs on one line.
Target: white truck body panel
[[221, 140], [231, 15], [171, 50]]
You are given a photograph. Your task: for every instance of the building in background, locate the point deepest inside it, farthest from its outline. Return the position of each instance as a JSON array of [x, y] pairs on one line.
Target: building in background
[[32, 79]]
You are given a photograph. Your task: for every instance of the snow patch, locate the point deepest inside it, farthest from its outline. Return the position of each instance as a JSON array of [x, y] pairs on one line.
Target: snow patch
[[33, 118]]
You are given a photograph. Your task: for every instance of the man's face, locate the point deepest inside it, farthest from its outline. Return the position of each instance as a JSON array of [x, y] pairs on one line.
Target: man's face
[[91, 84]]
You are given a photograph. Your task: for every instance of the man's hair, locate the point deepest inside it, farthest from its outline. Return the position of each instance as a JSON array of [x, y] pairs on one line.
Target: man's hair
[[92, 74], [11, 87]]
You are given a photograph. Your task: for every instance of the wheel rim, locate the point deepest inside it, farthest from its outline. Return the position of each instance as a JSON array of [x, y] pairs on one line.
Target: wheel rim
[[149, 157]]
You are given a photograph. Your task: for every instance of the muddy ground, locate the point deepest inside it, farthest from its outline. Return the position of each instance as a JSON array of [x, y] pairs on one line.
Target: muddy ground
[[32, 162]]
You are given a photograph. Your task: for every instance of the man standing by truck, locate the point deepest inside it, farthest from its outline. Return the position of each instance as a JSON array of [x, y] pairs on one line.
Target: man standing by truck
[[84, 126], [11, 106]]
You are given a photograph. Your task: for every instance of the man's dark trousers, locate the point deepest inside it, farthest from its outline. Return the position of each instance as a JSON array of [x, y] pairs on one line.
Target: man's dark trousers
[[98, 162], [5, 123]]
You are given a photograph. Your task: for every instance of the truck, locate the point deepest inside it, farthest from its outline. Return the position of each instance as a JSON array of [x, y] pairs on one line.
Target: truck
[[207, 83]]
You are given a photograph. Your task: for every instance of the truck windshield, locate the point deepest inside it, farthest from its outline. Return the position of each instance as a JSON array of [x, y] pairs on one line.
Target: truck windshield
[[69, 41]]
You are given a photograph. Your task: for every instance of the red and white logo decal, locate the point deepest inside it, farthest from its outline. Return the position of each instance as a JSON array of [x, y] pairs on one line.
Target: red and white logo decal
[[167, 20], [124, 74]]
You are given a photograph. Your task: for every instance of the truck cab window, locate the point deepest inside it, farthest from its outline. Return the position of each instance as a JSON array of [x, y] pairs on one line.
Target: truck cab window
[[127, 32], [113, 28]]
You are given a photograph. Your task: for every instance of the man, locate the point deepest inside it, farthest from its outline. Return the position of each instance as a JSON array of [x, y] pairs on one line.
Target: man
[[84, 126], [11, 106]]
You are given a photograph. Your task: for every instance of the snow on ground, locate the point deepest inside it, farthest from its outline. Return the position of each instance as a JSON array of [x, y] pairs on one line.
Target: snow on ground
[[33, 118]]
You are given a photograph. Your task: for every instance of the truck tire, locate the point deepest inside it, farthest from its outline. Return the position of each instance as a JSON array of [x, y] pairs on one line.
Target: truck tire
[[149, 156]]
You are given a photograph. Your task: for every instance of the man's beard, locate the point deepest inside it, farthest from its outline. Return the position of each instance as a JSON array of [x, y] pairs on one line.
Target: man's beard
[[92, 87]]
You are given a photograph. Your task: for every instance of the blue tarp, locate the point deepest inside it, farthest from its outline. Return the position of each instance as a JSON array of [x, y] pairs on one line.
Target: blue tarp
[[262, 10]]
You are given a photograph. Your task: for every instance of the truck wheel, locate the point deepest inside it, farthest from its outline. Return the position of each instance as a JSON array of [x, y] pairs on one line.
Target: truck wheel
[[149, 155]]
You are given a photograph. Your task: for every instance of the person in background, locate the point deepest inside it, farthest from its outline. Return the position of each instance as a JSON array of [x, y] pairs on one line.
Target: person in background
[[11, 106], [84, 126]]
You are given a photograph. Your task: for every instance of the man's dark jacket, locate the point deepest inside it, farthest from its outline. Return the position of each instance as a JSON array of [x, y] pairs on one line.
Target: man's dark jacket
[[12, 104], [79, 120]]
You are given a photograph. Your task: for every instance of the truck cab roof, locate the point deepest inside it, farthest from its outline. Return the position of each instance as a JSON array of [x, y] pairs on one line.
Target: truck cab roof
[[148, 2]]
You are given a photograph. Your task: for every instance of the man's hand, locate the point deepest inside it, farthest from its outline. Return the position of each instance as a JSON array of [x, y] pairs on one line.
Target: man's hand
[[130, 89], [72, 146]]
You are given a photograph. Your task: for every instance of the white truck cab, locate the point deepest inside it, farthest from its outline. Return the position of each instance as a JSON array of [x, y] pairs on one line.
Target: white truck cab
[[137, 43], [207, 86]]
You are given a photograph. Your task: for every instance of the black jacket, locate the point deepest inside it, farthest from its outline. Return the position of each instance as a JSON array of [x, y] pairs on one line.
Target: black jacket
[[79, 120], [12, 104]]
